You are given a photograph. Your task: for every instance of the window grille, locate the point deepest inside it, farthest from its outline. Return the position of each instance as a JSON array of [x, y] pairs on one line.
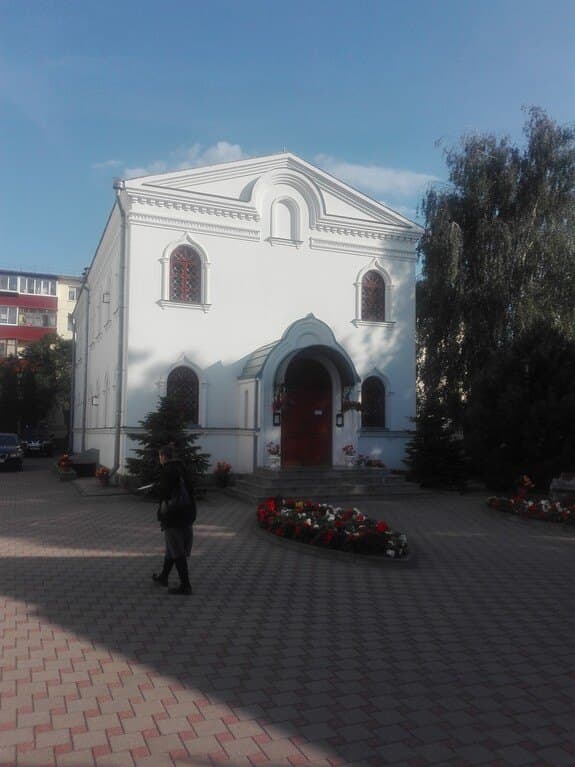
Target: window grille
[[373, 297], [185, 276], [183, 386], [373, 404]]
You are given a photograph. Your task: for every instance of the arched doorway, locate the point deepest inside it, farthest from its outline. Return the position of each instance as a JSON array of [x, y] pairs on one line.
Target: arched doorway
[[307, 414]]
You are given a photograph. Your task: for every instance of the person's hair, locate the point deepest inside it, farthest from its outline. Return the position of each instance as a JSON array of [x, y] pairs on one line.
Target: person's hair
[[168, 451]]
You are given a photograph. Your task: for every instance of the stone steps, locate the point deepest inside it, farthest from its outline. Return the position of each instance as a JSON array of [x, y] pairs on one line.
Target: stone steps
[[321, 485]]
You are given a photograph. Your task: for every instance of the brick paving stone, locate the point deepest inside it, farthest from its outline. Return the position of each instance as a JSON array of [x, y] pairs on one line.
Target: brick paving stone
[[40, 757], [124, 759], [558, 757], [75, 759], [207, 744], [280, 749]]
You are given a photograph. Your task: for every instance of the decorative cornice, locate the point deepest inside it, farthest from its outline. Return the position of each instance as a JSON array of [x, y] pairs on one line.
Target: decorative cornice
[[218, 230], [374, 251], [367, 232], [189, 204]]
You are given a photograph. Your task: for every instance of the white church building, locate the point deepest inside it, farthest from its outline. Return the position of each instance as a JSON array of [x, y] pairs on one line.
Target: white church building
[[277, 299]]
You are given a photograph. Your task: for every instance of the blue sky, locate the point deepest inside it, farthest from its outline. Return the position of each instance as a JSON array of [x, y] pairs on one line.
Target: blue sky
[[93, 90]]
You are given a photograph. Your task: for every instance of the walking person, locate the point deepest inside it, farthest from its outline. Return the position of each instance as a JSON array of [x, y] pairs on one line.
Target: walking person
[[176, 514]]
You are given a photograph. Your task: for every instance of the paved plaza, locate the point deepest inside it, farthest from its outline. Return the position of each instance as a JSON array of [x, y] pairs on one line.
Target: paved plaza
[[464, 655]]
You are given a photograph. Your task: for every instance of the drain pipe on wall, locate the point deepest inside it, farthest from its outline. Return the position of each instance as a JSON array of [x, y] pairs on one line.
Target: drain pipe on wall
[[86, 344], [119, 186], [256, 424], [71, 419]]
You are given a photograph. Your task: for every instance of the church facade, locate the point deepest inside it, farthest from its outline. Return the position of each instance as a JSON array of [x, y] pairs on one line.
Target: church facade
[[277, 300]]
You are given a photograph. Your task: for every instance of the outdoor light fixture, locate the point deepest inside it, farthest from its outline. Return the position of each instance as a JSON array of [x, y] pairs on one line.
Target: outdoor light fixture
[[339, 419], [277, 418], [105, 298], [94, 400]]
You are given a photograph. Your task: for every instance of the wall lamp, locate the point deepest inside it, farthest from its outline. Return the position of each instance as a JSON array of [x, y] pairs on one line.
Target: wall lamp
[[339, 420], [277, 418], [105, 298], [95, 400]]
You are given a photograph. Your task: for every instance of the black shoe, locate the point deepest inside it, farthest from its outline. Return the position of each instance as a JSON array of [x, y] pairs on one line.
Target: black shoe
[[159, 579], [181, 589]]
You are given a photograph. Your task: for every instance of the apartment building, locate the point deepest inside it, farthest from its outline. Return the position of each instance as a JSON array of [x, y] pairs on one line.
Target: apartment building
[[33, 305]]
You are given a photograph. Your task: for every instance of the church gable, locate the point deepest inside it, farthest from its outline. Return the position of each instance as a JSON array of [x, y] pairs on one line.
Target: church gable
[[252, 186]]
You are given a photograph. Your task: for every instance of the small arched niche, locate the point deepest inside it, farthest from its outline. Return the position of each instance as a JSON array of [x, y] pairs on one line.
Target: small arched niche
[[285, 221]]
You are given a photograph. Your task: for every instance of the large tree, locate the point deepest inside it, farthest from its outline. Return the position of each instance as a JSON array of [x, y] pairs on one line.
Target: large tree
[[34, 385], [520, 416], [497, 254], [47, 365]]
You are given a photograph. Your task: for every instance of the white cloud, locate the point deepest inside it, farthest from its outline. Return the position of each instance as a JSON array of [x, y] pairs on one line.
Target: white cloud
[[377, 180], [105, 164], [191, 157]]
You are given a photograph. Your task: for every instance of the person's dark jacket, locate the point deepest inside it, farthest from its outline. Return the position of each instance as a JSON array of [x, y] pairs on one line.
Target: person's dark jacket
[[166, 489]]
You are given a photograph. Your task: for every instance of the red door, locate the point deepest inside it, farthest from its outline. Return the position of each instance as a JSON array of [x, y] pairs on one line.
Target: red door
[[306, 415]]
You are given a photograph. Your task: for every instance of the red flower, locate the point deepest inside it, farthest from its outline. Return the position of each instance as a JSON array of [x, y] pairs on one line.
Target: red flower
[[381, 527]]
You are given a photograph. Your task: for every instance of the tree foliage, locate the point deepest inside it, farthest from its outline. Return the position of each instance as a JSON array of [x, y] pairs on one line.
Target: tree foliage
[[435, 455], [161, 427], [520, 417], [497, 254], [34, 385]]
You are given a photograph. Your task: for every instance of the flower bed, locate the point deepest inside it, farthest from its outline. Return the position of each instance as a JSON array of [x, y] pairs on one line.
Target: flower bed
[[553, 511], [331, 527]]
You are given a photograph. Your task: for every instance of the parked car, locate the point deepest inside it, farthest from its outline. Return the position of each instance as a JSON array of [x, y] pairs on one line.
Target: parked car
[[11, 453], [38, 444]]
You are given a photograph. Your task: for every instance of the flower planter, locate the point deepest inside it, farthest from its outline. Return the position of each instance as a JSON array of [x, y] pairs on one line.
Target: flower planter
[[331, 527], [66, 476], [274, 462]]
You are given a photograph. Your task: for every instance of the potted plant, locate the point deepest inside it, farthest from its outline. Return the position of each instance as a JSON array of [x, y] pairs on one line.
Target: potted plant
[[65, 468], [103, 474], [222, 473], [274, 455], [349, 452]]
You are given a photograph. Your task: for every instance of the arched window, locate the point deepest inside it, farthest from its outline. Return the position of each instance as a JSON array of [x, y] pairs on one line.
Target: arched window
[[373, 404], [183, 386], [185, 276], [373, 297]]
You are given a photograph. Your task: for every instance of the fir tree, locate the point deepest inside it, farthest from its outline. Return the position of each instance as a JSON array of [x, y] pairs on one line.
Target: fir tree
[[166, 425], [434, 455]]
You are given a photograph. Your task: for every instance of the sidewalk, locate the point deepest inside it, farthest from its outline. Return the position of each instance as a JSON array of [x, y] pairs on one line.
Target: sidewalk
[[281, 658]]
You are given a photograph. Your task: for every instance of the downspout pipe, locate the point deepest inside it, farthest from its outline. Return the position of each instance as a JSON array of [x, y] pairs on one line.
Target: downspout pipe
[[86, 352], [119, 186], [72, 387]]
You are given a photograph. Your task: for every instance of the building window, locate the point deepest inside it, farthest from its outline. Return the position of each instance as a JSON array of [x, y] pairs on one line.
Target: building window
[[8, 347], [183, 386], [38, 318], [72, 294], [373, 404], [373, 297], [37, 286], [185, 276], [9, 282], [8, 315]]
